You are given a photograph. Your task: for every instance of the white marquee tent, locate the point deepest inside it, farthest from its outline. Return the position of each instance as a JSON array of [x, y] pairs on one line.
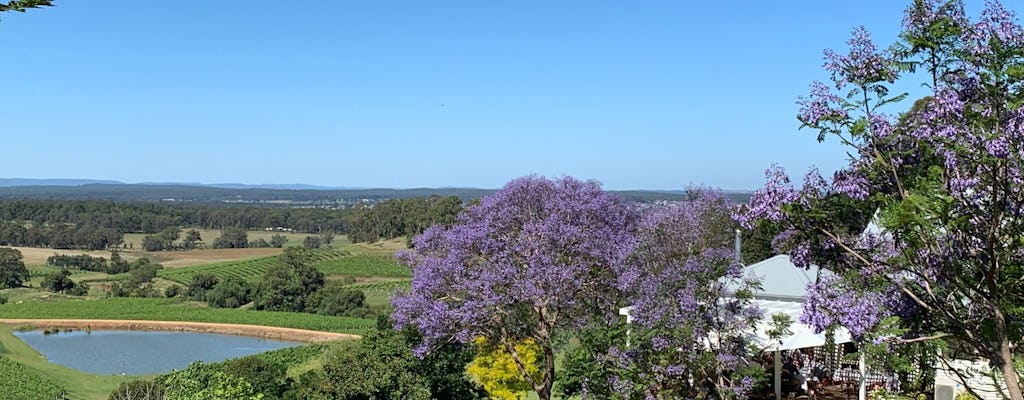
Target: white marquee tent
[[783, 291]]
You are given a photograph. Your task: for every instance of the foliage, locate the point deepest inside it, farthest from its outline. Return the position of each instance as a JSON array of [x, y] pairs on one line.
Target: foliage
[[266, 376], [12, 269], [495, 369], [230, 293], [200, 284], [163, 309], [402, 217], [95, 223], [19, 383], [143, 274], [586, 369], [382, 366], [173, 291], [942, 259], [197, 383], [163, 240], [278, 240], [335, 299], [286, 286], [691, 305], [139, 389], [82, 262], [231, 238], [535, 260], [59, 282], [312, 242], [23, 5]]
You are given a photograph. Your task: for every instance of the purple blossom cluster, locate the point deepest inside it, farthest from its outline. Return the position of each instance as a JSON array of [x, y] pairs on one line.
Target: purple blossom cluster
[[863, 66], [832, 302], [821, 106], [683, 279], [766, 202], [997, 27], [550, 249]]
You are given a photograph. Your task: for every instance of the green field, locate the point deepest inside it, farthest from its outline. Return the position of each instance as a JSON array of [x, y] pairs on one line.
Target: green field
[[363, 265], [328, 261], [378, 294], [175, 310]]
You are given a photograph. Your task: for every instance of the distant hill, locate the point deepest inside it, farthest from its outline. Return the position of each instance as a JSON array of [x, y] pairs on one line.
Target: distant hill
[[287, 195], [6, 182]]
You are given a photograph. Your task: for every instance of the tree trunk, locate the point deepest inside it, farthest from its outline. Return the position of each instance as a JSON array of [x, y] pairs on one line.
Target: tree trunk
[[548, 378], [1010, 376]]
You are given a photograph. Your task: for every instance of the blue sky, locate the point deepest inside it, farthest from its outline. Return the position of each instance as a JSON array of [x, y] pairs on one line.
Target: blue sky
[[637, 95]]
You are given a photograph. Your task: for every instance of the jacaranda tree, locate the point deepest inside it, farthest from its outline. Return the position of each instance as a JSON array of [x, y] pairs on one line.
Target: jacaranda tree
[[946, 263], [691, 306], [536, 260]]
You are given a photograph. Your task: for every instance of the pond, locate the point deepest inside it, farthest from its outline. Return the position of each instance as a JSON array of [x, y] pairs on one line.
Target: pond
[[142, 352]]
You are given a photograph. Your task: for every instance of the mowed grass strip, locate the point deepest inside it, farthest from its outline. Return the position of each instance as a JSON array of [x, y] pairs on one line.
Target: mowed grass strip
[[176, 310]]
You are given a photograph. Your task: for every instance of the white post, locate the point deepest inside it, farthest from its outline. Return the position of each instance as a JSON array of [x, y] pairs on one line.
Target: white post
[[629, 321], [863, 393], [778, 374]]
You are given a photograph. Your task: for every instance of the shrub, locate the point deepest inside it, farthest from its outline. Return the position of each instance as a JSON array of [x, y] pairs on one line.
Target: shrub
[[173, 291], [139, 389], [80, 289], [231, 293]]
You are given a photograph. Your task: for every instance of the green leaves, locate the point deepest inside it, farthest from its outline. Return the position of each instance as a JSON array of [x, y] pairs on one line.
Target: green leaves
[[23, 5]]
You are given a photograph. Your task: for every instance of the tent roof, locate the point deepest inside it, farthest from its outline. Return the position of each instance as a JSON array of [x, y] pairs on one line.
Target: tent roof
[[803, 335], [781, 280]]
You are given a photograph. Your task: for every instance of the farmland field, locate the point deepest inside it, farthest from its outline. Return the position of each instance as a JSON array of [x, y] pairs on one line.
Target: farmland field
[[328, 261]]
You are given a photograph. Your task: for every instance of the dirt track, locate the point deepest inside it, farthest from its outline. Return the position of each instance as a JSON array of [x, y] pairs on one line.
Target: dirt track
[[269, 332]]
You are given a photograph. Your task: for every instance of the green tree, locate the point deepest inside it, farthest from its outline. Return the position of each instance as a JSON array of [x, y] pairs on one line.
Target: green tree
[[12, 269], [382, 366], [198, 382], [335, 299], [286, 285], [59, 282], [312, 242], [192, 239], [230, 293], [232, 238], [173, 291], [278, 240], [326, 237], [266, 376], [200, 284]]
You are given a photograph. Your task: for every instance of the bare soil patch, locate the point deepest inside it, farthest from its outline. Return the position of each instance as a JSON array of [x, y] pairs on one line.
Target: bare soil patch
[[38, 256], [269, 332]]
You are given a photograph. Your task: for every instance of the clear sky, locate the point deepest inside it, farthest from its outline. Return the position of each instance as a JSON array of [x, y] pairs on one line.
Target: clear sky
[[637, 95]]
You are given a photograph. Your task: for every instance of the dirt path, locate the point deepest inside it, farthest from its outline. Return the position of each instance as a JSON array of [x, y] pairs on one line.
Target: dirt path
[[269, 332]]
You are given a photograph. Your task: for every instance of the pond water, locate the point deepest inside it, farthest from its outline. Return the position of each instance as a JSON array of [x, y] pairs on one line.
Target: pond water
[[142, 352]]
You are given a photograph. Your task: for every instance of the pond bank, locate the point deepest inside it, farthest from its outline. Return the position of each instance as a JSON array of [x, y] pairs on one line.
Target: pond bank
[[268, 332]]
